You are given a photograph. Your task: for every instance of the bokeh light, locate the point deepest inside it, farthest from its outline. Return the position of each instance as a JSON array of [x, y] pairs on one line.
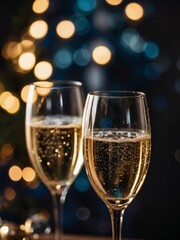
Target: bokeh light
[[151, 50], [104, 20], [24, 93], [82, 184], [63, 58], [11, 50], [15, 173], [82, 57], [44, 88], [27, 45], [38, 29], [4, 95], [6, 152], [152, 70], [65, 29], [9, 193], [9, 102], [86, 6], [43, 70], [83, 213], [114, 2], [134, 11], [82, 25], [101, 55], [95, 77], [40, 6], [131, 40], [27, 61], [28, 174], [4, 230]]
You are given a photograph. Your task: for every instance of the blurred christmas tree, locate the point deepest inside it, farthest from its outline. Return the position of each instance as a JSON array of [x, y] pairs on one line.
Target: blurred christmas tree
[[101, 43]]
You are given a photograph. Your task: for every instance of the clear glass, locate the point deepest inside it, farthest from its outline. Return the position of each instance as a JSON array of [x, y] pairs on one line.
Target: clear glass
[[53, 137], [116, 148]]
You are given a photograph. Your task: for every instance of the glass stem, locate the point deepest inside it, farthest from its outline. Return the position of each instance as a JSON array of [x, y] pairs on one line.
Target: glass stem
[[116, 220], [58, 210]]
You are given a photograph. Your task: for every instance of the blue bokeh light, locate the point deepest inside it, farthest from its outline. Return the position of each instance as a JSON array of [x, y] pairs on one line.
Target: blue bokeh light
[[82, 57], [151, 50], [63, 58], [82, 25], [127, 36], [152, 70], [82, 184], [83, 213], [86, 6]]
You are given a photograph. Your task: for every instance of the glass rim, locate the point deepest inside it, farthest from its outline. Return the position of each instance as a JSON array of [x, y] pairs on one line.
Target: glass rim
[[56, 84], [117, 94]]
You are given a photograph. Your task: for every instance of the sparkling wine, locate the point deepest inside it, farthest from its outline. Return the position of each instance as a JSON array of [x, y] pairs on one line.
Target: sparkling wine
[[117, 163], [54, 147]]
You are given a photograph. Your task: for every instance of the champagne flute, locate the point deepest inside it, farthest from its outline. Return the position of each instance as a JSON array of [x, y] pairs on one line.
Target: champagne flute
[[116, 148], [53, 137]]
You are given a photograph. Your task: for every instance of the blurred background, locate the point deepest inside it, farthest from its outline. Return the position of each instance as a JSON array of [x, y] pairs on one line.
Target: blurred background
[[106, 44]]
